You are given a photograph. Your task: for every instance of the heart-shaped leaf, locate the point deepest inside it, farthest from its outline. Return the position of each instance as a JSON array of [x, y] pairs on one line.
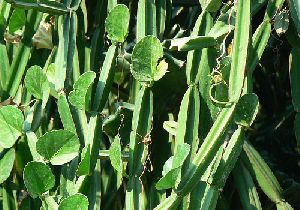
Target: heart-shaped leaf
[[11, 125], [77, 97], [38, 178], [145, 57], [172, 167], [6, 164], [77, 201], [36, 82], [58, 146], [117, 22]]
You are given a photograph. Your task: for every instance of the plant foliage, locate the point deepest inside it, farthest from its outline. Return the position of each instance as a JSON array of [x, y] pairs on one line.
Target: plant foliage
[[149, 104]]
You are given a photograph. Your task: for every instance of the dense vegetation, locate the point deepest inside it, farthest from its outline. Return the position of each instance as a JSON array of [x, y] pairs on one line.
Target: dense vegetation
[[149, 104]]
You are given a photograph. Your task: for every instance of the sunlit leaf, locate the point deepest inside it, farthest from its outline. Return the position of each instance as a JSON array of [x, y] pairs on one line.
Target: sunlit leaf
[[117, 23], [38, 178], [11, 124], [78, 96], [77, 201], [58, 146], [36, 82], [145, 57], [6, 164]]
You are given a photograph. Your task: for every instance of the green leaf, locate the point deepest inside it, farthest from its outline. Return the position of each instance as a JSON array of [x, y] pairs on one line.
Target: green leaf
[[6, 164], [117, 22], [17, 20], [38, 178], [161, 70], [115, 155], [11, 124], [36, 82], [295, 11], [172, 167], [145, 57], [77, 201], [123, 114], [58, 146], [224, 25], [50, 73], [192, 43], [31, 141], [246, 110], [77, 97], [169, 180], [84, 166], [211, 5]]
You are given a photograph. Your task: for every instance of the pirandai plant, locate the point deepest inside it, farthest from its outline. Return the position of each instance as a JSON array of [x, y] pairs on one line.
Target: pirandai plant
[[149, 104]]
